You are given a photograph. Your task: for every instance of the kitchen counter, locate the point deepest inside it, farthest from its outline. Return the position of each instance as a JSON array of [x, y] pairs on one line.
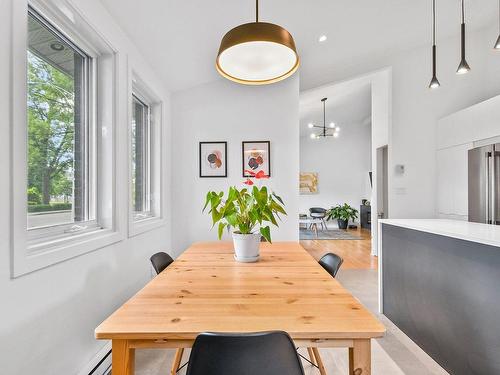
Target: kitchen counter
[[463, 230], [439, 283]]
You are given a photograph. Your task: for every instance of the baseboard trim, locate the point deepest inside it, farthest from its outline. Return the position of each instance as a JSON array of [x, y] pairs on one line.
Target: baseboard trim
[[100, 356]]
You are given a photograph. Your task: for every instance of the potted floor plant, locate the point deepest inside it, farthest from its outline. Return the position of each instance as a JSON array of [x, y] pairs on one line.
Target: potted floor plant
[[343, 213], [248, 212]]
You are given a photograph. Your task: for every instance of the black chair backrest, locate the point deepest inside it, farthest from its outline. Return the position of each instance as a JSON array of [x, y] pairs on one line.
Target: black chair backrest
[[160, 261], [263, 353], [317, 210], [331, 263]]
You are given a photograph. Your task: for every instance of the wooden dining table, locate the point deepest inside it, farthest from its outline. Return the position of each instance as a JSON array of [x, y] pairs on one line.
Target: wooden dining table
[[207, 290]]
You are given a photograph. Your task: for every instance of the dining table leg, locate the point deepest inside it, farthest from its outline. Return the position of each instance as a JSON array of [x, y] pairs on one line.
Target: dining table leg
[[123, 358], [177, 361], [319, 361], [360, 357]]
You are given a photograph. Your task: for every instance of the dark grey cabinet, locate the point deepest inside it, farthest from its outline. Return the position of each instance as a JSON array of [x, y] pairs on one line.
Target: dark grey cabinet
[[365, 216]]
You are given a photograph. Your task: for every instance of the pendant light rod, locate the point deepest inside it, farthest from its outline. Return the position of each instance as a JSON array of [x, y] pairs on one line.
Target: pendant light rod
[[462, 29], [434, 22], [324, 116], [256, 10], [463, 67], [434, 81], [497, 43]]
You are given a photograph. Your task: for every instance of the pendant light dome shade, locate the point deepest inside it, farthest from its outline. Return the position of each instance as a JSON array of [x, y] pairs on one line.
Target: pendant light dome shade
[[257, 53]]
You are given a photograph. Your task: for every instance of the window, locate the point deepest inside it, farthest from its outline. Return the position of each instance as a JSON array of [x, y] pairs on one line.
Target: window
[[60, 149], [64, 131], [141, 159]]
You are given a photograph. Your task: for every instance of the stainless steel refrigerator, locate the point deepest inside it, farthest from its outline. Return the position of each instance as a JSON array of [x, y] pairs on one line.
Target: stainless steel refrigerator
[[484, 184]]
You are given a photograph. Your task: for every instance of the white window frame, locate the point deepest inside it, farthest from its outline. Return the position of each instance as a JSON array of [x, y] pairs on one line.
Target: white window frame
[[148, 180], [31, 251], [38, 234], [155, 216]]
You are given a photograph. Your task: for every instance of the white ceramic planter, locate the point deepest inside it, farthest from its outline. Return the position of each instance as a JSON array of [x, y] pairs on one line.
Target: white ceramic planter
[[246, 247]]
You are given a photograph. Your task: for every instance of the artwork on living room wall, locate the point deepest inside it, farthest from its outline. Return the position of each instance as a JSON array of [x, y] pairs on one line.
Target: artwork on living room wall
[[256, 157], [213, 159], [308, 183]]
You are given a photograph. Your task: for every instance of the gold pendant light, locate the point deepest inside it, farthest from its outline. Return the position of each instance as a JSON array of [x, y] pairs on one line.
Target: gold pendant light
[[257, 53]]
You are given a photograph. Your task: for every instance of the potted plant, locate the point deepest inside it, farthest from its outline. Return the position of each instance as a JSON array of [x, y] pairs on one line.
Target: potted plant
[[245, 210], [343, 213]]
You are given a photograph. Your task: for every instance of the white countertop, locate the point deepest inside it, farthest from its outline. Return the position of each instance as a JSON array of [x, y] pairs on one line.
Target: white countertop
[[463, 230]]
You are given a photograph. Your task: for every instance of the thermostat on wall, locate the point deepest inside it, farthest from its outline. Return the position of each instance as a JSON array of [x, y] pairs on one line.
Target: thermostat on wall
[[400, 169]]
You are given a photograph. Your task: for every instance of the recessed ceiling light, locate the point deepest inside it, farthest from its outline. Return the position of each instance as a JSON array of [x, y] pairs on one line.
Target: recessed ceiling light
[[322, 38], [56, 46]]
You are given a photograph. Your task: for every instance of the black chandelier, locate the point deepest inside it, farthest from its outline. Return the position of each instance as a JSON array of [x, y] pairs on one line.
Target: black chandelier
[[325, 132]]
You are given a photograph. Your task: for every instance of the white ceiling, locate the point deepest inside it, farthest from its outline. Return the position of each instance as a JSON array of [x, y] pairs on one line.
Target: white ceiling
[[181, 38], [348, 105]]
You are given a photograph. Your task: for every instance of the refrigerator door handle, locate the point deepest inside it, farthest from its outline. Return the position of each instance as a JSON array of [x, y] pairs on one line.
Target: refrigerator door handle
[[495, 186], [488, 188]]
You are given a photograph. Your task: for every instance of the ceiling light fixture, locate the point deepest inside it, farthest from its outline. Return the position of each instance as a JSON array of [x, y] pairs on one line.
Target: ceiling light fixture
[[310, 125], [322, 38], [463, 67], [434, 81], [257, 53], [324, 133], [497, 44]]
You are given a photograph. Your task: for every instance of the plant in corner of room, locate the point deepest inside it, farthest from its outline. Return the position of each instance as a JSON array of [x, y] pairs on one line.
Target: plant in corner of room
[[244, 210], [343, 213]]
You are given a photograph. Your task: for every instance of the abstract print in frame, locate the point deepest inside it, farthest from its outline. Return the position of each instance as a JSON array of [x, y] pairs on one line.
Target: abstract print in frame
[[308, 183], [213, 159], [256, 157]]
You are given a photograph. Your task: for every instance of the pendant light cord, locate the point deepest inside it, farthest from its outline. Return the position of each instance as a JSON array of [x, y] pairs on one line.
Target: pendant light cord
[[324, 117], [463, 12], [256, 10], [434, 22]]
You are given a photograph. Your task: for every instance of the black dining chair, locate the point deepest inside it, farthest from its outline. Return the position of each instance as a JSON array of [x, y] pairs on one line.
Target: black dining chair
[[331, 263], [160, 261], [262, 353], [319, 213]]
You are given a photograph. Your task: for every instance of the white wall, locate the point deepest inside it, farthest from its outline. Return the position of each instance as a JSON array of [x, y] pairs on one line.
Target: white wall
[[416, 109], [225, 111], [48, 316], [342, 165]]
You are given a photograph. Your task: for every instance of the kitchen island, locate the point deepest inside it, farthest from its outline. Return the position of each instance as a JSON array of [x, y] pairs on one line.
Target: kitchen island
[[439, 282]]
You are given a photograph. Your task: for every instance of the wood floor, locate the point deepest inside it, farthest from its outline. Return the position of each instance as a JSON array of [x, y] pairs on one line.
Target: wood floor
[[356, 253]]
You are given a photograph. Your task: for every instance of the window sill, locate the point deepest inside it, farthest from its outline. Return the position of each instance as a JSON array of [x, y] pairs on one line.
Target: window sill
[[137, 227], [40, 255]]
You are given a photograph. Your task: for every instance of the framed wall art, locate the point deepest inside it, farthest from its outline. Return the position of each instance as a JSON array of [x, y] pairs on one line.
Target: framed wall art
[[213, 159], [256, 157], [308, 183]]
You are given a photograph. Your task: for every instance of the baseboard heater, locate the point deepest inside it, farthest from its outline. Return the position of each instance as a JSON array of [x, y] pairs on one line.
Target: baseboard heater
[[103, 367]]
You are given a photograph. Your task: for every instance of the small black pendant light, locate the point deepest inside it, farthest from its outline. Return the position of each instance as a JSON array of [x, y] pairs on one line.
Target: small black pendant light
[[497, 44], [463, 67], [434, 81]]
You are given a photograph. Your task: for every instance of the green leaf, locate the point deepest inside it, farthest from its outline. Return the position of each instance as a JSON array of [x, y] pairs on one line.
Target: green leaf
[[207, 200], [276, 207], [278, 198], [221, 229], [266, 233]]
